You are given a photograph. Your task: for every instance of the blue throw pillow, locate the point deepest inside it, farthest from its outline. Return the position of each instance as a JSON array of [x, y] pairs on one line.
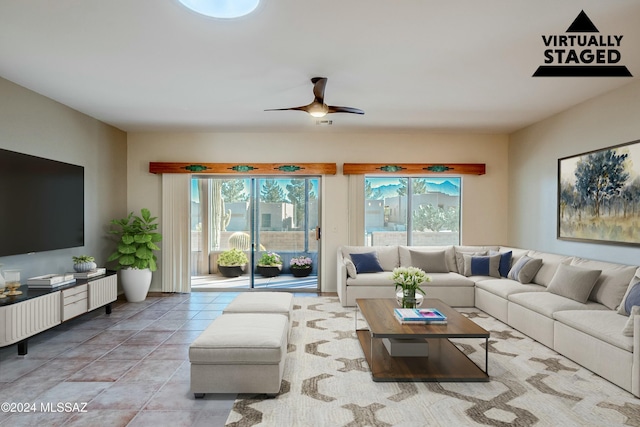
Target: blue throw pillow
[[481, 265], [633, 298], [505, 262], [366, 263]]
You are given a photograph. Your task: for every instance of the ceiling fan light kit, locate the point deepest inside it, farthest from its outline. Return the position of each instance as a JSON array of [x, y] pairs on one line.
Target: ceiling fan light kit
[[318, 108], [223, 9]]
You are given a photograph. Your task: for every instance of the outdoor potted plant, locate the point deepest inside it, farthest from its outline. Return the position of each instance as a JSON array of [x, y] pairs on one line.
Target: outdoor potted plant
[[269, 264], [232, 263], [408, 280], [137, 238], [300, 266], [84, 263]]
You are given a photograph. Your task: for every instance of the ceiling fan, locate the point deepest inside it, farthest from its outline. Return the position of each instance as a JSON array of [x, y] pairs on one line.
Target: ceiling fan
[[318, 108]]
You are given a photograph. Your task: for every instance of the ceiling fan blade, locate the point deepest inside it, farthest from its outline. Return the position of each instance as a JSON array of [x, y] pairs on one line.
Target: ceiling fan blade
[[319, 83], [302, 108], [334, 109]]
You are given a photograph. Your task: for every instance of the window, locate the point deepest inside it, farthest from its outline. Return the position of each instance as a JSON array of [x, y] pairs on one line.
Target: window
[[266, 220], [416, 211]]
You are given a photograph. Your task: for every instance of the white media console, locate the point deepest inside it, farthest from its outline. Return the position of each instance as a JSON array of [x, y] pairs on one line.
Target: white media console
[[26, 315]]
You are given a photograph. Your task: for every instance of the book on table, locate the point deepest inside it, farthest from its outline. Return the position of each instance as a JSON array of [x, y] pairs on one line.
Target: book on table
[[420, 315], [91, 273], [50, 279]]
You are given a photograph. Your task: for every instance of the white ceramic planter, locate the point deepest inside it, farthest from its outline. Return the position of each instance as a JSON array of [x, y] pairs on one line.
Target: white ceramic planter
[[135, 283], [84, 266]]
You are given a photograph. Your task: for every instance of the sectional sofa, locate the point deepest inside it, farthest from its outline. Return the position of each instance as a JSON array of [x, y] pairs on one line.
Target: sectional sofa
[[581, 308]]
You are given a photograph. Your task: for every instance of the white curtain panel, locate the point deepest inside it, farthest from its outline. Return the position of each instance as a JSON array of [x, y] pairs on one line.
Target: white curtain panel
[[176, 228]]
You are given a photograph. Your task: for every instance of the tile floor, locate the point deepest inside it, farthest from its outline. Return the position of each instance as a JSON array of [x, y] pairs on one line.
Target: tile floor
[[131, 367]]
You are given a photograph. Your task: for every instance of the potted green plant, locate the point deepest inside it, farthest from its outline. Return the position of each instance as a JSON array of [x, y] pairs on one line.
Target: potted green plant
[[84, 263], [137, 238], [232, 262], [269, 264], [408, 280], [300, 266]]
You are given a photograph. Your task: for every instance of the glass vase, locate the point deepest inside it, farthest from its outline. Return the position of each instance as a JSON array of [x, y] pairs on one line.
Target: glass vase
[[409, 298]]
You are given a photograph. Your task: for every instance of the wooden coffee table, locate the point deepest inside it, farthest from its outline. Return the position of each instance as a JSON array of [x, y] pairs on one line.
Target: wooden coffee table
[[444, 363]]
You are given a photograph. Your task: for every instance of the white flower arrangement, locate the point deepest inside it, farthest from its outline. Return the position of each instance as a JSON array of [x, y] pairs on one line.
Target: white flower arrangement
[[409, 278]]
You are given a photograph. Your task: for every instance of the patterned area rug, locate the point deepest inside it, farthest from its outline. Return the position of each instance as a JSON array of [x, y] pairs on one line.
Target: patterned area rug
[[327, 383]]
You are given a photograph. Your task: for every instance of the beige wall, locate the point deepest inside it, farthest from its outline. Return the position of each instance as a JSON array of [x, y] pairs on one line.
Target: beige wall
[[484, 210], [36, 125], [613, 118]]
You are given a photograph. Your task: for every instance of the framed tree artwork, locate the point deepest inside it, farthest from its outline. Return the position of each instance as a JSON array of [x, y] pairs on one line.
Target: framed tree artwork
[[599, 195]]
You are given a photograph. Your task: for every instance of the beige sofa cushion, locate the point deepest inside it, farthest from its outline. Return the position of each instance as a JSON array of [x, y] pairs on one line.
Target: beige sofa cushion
[[505, 287], [371, 279], [448, 279], [573, 282], [550, 263], [612, 283], [387, 255], [242, 339], [404, 253], [547, 303], [606, 325], [430, 262]]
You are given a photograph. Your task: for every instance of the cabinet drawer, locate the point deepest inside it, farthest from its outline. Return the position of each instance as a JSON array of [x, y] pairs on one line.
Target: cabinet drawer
[[74, 302], [74, 309], [74, 294]]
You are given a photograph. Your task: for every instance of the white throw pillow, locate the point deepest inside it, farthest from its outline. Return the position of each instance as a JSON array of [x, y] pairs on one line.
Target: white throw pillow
[[573, 282], [628, 328], [525, 269], [351, 268]]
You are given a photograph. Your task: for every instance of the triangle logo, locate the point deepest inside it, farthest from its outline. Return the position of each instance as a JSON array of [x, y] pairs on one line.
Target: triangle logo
[[581, 53], [582, 24]]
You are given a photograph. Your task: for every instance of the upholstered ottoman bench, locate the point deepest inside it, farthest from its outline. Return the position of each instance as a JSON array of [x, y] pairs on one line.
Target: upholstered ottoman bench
[[240, 353], [262, 302]]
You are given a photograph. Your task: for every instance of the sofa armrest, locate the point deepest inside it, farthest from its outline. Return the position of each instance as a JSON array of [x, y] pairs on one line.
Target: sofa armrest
[[635, 369], [341, 279]]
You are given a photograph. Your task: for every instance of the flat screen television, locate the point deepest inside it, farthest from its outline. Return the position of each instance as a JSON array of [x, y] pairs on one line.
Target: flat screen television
[[41, 204]]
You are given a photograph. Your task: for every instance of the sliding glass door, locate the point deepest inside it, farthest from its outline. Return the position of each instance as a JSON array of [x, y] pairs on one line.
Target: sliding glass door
[[260, 218]]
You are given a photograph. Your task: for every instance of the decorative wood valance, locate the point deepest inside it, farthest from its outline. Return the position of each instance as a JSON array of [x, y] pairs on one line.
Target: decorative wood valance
[[414, 168], [245, 168]]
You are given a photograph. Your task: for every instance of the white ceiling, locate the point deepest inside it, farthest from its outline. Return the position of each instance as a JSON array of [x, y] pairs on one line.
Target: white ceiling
[[457, 65]]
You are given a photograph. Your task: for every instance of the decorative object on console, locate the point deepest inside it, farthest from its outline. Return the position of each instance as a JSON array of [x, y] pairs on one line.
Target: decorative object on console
[[269, 264], [408, 280], [137, 238], [84, 263], [301, 266], [232, 262], [596, 200], [98, 271], [50, 281], [12, 279]]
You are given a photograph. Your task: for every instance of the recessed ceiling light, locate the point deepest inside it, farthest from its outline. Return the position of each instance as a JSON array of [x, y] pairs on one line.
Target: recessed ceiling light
[[225, 9]]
